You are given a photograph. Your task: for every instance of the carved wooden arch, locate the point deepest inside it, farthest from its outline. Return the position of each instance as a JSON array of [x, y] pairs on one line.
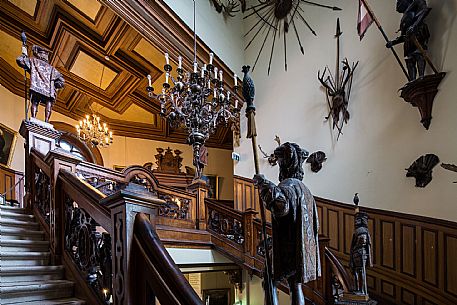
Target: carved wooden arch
[[92, 154], [131, 171]]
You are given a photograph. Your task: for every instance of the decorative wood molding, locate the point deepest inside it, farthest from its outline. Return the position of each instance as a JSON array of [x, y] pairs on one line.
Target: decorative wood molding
[[67, 31]]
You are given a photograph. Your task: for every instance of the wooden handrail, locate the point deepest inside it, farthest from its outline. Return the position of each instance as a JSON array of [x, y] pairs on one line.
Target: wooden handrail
[[166, 280]]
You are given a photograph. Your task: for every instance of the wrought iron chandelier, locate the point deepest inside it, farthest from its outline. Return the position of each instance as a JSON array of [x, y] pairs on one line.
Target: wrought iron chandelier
[[90, 130], [196, 101]]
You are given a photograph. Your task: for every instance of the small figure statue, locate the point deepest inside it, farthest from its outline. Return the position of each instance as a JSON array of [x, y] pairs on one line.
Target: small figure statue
[[45, 80], [360, 256], [413, 29], [295, 222]]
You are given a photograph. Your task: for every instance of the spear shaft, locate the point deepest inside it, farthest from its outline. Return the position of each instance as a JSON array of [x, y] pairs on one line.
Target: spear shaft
[[337, 35], [378, 24]]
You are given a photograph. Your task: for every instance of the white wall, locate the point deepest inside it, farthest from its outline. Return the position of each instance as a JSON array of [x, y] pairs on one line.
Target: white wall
[[223, 36], [384, 135]]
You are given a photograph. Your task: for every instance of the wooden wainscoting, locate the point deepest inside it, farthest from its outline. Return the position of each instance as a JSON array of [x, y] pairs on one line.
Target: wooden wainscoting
[[8, 179], [415, 257]]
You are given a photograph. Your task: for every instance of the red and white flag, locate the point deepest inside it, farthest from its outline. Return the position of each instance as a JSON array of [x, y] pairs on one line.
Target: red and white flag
[[364, 21]]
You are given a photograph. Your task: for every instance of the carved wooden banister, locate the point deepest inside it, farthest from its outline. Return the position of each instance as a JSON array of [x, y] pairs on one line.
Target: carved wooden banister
[[157, 275]]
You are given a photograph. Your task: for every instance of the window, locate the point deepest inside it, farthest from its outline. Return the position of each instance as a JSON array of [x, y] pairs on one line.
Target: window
[[72, 149]]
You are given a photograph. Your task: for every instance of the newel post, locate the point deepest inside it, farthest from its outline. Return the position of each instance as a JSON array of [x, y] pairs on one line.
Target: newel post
[[248, 218], [200, 189], [42, 137], [124, 205]]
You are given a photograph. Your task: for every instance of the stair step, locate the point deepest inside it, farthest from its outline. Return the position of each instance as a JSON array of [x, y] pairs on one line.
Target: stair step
[[12, 223], [72, 301], [9, 233], [13, 209], [17, 216], [21, 292], [31, 273], [10, 245], [24, 258]]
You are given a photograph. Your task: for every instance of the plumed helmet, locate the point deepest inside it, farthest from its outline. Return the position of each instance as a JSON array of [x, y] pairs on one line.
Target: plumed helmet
[[290, 159]]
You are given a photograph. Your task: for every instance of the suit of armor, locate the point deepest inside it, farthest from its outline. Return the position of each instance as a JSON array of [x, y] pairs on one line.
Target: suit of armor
[[295, 222], [413, 27], [45, 80]]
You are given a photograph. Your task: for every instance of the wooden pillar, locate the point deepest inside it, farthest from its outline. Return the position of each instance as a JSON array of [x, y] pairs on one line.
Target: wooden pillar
[[124, 206], [249, 247], [200, 189]]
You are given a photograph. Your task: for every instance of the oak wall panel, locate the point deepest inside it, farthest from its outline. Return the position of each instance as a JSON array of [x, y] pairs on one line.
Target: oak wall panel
[[451, 264], [388, 244], [408, 250], [430, 255]]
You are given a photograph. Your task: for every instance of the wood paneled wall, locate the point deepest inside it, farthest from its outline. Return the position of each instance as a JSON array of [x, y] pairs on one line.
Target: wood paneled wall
[[8, 179], [414, 257]]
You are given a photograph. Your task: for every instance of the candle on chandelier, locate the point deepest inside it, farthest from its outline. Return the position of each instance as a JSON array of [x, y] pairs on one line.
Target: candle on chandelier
[[220, 75], [195, 67], [235, 79], [167, 75], [214, 93], [167, 60], [149, 80], [211, 55], [203, 70], [215, 72], [236, 104], [180, 62], [111, 135]]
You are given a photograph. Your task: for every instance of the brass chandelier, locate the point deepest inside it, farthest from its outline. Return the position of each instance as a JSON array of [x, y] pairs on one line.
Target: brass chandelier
[[92, 131], [196, 101]]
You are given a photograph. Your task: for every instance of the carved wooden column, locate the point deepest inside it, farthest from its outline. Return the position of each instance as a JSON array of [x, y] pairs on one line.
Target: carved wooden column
[[40, 136], [124, 206], [249, 247], [199, 188]]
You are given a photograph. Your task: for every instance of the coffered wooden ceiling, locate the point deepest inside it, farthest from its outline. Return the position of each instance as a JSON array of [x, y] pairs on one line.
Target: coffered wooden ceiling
[[103, 59]]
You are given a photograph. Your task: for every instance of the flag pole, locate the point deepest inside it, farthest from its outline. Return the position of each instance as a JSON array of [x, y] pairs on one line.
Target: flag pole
[[378, 24], [269, 287]]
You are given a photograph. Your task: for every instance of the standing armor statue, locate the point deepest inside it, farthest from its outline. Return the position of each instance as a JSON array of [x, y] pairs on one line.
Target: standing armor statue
[[45, 80], [360, 255], [413, 27], [295, 222]]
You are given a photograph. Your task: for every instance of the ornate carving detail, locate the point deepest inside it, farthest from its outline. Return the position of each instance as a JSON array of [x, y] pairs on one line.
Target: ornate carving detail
[[260, 247], [104, 185], [235, 278], [174, 207], [43, 194], [89, 249], [226, 226], [119, 256], [168, 162]]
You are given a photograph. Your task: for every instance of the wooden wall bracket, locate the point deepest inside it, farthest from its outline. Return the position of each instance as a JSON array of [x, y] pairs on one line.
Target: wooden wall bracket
[[421, 93]]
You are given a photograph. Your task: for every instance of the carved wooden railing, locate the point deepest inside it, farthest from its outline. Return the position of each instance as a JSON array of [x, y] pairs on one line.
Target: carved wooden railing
[[161, 278], [88, 214], [238, 235]]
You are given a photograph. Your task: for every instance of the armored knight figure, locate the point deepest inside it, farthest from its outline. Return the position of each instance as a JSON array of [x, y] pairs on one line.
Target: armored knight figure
[[295, 222], [45, 80], [413, 27], [360, 256]]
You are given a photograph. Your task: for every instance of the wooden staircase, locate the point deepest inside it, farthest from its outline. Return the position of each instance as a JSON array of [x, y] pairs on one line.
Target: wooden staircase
[[25, 274]]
